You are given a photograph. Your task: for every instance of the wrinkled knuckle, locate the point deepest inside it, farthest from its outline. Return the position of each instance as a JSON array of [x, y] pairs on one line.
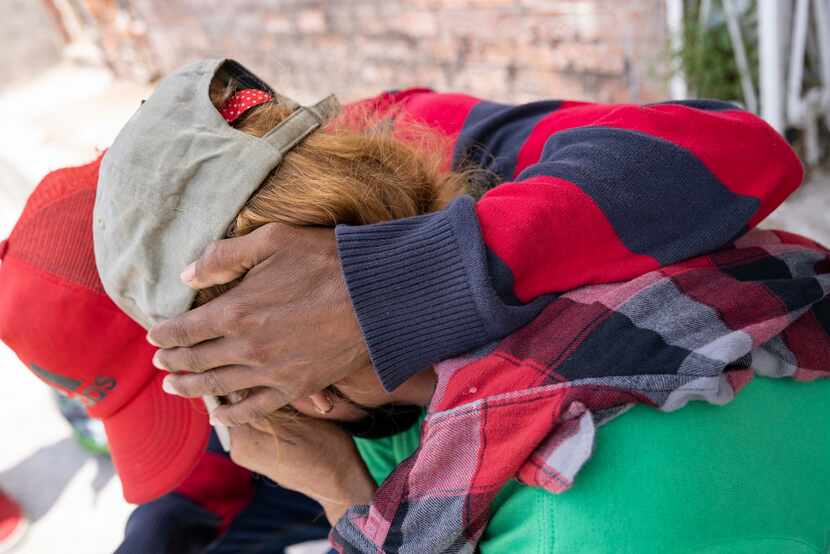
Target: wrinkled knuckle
[[247, 350], [256, 354], [259, 408], [188, 359], [233, 316], [179, 333], [255, 412], [214, 384], [232, 417], [241, 415], [248, 317], [280, 396]]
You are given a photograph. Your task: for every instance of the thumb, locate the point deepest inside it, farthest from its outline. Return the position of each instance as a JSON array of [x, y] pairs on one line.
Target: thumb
[[228, 259]]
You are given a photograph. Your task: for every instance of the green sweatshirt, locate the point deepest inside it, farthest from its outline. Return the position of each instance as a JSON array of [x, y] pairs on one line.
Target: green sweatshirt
[[751, 477]]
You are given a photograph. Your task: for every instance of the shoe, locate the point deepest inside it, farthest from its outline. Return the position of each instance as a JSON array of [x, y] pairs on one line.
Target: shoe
[[13, 523]]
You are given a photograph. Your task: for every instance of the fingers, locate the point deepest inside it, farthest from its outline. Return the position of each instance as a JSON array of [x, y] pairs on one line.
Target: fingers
[[206, 322], [228, 259], [259, 404], [216, 382], [222, 262], [251, 448], [262, 425], [322, 402], [200, 357]]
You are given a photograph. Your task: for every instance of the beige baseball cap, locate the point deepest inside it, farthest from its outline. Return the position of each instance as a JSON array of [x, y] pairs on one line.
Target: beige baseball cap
[[174, 180]]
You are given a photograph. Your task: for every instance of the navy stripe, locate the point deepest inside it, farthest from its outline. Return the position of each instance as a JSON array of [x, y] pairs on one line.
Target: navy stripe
[[659, 198], [822, 312], [394, 538], [494, 133], [703, 104], [502, 278], [796, 293], [638, 351], [423, 292], [763, 267], [775, 275]]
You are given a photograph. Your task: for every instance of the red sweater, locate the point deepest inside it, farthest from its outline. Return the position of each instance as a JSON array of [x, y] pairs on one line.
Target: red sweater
[[587, 194]]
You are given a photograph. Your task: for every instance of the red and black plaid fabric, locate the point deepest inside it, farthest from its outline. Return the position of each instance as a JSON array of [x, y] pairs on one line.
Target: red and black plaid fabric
[[528, 407]]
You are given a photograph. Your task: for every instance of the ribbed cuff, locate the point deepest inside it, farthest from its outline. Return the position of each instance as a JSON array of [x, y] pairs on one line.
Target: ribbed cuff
[[411, 290]]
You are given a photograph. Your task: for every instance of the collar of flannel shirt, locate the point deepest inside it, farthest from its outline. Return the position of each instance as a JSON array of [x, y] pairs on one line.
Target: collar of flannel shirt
[[528, 407]]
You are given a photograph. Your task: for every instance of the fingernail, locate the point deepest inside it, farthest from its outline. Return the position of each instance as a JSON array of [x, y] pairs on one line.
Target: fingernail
[[168, 387], [189, 273], [151, 341], [322, 403], [157, 361]]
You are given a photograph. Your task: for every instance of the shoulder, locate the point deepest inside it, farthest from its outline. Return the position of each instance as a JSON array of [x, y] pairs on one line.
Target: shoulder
[[522, 520]]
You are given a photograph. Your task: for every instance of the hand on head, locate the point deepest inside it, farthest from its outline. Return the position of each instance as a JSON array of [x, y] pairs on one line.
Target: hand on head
[[287, 328], [284, 324]]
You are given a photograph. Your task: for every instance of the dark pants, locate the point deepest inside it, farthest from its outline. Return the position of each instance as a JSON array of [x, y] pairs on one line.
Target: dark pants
[[275, 518]]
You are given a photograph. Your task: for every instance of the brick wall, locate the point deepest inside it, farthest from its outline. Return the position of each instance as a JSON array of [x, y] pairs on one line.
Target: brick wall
[[606, 50]]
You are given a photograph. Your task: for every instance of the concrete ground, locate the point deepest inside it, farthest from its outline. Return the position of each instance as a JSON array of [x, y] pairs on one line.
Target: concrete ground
[[74, 499], [807, 211]]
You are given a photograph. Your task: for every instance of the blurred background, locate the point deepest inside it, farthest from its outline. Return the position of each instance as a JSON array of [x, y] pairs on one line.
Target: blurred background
[[75, 70]]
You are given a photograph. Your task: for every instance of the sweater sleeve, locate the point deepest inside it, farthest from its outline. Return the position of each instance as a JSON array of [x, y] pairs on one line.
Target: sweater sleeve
[[588, 194]]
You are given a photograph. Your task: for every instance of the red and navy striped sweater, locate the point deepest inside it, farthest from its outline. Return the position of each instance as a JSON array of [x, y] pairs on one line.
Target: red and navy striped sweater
[[588, 194]]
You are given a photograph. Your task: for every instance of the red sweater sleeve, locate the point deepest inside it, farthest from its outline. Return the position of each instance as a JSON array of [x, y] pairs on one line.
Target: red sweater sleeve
[[605, 193], [581, 194]]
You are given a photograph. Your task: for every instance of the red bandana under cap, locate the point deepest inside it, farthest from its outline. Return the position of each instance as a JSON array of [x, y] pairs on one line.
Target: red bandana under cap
[[241, 102]]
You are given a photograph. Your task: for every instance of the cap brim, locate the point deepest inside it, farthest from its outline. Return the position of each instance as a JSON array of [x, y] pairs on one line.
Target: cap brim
[[156, 441]]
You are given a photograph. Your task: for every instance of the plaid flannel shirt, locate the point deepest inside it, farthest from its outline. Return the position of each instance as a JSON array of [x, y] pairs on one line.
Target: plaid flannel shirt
[[528, 406]]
